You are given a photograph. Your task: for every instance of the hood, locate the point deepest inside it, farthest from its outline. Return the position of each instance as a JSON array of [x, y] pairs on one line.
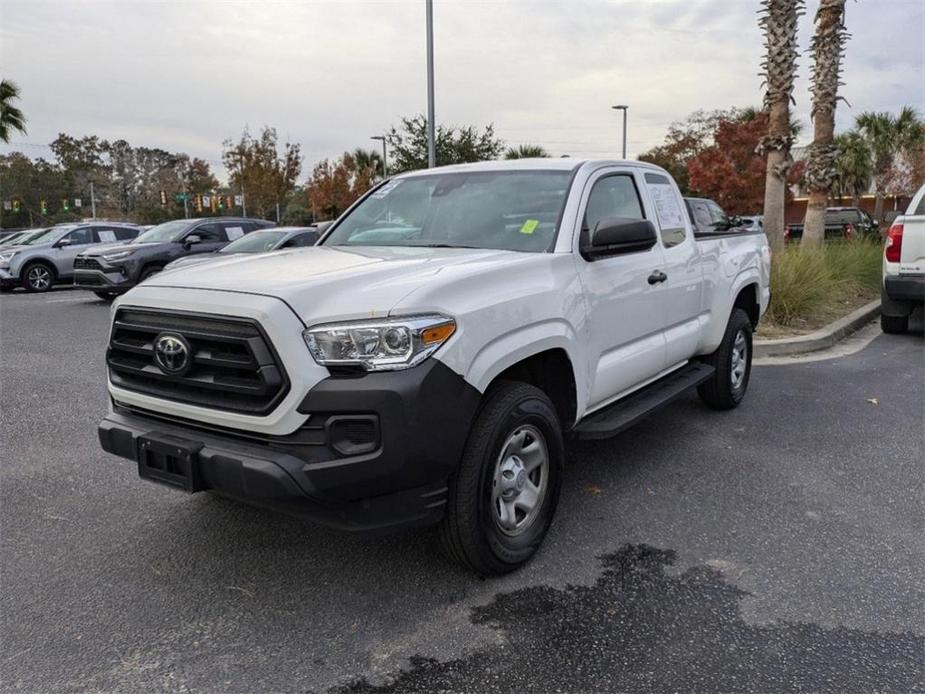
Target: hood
[[99, 249], [198, 258], [331, 283]]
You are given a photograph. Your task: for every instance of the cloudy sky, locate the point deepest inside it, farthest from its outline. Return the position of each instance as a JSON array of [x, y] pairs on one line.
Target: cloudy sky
[[186, 75]]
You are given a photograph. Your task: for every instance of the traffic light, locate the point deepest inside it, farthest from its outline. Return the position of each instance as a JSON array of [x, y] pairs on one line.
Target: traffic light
[[43, 206], [64, 205], [214, 205], [229, 202], [198, 201], [164, 198], [17, 206], [221, 203]]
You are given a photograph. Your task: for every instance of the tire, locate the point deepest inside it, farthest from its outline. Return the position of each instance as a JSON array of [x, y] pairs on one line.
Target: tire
[[38, 277], [726, 388], [894, 325], [514, 418], [148, 272], [105, 296]]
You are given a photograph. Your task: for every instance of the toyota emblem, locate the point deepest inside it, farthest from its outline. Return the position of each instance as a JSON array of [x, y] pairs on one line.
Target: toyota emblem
[[171, 354]]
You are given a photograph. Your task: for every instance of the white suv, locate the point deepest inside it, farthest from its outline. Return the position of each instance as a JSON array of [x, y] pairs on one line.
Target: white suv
[[904, 267]]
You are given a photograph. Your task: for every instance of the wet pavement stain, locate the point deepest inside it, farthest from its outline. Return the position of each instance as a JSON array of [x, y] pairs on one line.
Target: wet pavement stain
[[640, 629]]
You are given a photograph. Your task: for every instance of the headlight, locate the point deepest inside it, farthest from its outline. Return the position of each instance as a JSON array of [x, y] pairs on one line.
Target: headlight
[[119, 255], [388, 344], [7, 257]]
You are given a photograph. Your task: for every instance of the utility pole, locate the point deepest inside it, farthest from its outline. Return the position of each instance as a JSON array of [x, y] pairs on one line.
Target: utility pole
[[623, 108], [385, 162], [277, 213], [92, 202], [431, 145]]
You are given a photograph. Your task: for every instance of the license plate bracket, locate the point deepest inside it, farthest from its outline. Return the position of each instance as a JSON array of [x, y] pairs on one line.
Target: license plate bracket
[[169, 460]]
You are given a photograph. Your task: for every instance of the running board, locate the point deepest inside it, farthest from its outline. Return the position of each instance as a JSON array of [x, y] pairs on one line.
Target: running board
[[626, 412]]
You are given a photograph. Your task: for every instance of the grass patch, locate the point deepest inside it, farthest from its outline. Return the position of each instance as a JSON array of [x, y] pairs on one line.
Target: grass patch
[[813, 285]]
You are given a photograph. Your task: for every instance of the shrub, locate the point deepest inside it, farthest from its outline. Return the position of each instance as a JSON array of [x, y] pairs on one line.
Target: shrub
[[805, 282]]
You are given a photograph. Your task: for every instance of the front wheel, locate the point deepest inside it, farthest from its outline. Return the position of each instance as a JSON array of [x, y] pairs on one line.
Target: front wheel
[[503, 495], [733, 363], [37, 277]]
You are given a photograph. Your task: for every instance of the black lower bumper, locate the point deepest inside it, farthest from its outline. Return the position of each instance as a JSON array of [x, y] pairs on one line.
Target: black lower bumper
[[102, 281], [375, 454], [905, 288]]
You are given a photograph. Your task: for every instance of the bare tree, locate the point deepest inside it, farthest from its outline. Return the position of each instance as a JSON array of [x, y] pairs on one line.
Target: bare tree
[[779, 19], [828, 47]]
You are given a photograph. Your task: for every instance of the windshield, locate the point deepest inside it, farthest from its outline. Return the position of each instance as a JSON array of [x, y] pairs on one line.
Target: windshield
[[507, 210], [168, 231], [256, 242], [45, 236]]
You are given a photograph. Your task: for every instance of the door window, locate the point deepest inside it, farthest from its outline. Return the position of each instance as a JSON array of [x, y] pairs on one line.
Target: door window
[[211, 233], [613, 196], [702, 215], [81, 236], [125, 233]]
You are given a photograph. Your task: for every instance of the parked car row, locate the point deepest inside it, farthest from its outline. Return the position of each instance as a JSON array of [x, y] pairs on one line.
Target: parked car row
[[109, 258], [841, 223]]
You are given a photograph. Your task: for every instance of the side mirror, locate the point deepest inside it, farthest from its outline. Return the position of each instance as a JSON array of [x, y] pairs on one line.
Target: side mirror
[[619, 235], [192, 239], [62, 243]]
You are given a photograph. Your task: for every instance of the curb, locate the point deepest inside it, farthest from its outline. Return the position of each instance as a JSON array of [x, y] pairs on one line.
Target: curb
[[820, 339]]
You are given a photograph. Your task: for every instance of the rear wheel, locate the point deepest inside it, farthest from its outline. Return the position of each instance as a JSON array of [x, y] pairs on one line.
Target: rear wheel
[[37, 277], [733, 363], [894, 325], [503, 495]]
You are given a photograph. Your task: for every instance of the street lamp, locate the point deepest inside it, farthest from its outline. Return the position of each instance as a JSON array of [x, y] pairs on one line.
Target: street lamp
[[622, 107], [431, 144], [385, 165]]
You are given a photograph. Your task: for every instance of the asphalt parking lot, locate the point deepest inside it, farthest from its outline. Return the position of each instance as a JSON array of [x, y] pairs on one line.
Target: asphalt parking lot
[[778, 547]]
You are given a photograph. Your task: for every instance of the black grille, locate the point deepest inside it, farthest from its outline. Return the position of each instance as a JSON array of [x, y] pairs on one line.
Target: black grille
[[233, 365], [87, 264], [89, 281]]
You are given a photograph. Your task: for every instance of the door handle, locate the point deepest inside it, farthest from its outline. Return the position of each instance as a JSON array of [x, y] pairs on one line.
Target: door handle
[[657, 277]]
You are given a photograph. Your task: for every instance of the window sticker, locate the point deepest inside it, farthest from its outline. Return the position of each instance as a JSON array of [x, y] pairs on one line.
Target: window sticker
[[667, 206], [529, 226], [234, 233], [386, 189], [107, 235]]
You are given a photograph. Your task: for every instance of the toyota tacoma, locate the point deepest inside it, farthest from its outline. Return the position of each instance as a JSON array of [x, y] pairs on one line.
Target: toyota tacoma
[[425, 363]]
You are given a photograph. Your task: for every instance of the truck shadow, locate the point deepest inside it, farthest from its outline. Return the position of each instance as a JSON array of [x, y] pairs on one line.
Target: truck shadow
[[640, 629]]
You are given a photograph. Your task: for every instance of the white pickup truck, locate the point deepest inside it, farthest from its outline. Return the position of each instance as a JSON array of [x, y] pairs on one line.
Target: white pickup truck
[[426, 361], [903, 288]]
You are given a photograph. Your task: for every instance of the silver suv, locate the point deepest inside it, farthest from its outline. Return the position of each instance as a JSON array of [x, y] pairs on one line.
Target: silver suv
[[48, 258]]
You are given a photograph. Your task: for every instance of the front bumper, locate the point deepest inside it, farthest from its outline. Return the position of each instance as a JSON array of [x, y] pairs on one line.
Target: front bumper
[[375, 453], [108, 279], [7, 278]]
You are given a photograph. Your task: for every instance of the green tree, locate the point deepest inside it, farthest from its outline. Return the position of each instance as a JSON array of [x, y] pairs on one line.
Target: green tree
[[888, 137], [526, 152], [11, 117], [30, 181], [263, 174], [854, 166], [453, 145], [779, 19], [828, 47]]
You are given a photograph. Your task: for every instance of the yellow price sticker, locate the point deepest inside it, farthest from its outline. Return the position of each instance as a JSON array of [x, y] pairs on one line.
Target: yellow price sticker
[[529, 226]]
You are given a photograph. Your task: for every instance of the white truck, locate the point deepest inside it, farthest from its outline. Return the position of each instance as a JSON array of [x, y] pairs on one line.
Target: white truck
[[426, 361], [903, 288]]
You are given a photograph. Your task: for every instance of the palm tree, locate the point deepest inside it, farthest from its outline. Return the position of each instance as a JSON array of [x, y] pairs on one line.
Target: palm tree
[[526, 152], [888, 137], [828, 47], [854, 166], [779, 19], [368, 159], [11, 118]]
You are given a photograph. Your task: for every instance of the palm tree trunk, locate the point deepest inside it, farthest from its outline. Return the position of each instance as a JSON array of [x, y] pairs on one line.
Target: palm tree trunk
[[779, 21], [827, 49]]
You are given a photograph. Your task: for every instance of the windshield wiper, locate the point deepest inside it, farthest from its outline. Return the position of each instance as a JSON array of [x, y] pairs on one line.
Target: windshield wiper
[[441, 245]]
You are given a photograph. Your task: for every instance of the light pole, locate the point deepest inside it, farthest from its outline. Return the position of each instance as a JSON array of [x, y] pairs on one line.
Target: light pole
[[385, 163], [431, 147], [622, 107]]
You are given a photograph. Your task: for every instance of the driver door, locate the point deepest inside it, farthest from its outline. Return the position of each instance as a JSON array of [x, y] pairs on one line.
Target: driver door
[[78, 240]]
